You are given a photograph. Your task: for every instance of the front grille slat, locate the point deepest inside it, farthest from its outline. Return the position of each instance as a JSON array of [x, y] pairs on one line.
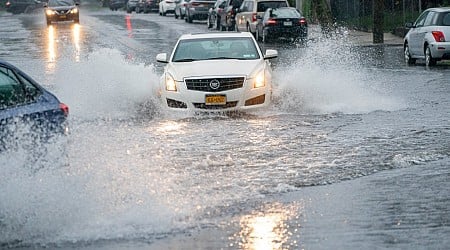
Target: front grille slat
[[203, 84]]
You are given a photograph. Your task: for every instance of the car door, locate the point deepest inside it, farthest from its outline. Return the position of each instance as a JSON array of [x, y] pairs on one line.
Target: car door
[[417, 34]]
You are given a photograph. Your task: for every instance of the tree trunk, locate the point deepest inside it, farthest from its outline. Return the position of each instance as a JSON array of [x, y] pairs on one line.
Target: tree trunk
[[378, 16]]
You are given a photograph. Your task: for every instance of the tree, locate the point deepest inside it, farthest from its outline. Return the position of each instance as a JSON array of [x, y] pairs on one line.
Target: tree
[[378, 24]]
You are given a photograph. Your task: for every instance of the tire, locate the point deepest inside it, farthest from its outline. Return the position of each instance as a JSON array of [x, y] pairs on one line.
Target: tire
[[408, 59], [429, 60], [175, 14]]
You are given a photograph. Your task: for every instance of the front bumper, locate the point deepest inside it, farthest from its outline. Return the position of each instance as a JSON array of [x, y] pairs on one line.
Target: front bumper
[[244, 98]]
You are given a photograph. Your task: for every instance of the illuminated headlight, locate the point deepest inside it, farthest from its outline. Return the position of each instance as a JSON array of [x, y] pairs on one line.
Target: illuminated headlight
[[49, 12], [74, 11], [170, 83], [259, 80]]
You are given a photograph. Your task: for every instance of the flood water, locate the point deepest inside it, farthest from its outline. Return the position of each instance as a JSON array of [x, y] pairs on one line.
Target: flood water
[[348, 123]]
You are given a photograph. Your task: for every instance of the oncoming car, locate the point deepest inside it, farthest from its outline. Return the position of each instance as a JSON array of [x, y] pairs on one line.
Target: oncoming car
[[216, 72], [61, 10], [429, 37]]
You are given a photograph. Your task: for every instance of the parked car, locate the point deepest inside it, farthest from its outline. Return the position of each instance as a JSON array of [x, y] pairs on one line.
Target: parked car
[[284, 22], [198, 9], [116, 4], [180, 8], [23, 6], [166, 6], [428, 37], [24, 102], [213, 20], [131, 5], [238, 75], [246, 15], [147, 6], [228, 15], [61, 10]]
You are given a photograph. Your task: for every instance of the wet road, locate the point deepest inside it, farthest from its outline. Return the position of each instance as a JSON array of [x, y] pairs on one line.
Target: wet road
[[354, 153]]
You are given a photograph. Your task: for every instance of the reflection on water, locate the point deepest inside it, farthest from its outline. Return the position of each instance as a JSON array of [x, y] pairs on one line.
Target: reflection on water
[[76, 41], [51, 49], [269, 229], [129, 27], [57, 37]]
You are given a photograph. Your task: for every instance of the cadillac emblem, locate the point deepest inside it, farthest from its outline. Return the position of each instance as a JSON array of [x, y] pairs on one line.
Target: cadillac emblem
[[214, 84]]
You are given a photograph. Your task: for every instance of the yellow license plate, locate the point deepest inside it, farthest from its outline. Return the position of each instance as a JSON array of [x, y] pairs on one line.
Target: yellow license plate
[[215, 100], [62, 16]]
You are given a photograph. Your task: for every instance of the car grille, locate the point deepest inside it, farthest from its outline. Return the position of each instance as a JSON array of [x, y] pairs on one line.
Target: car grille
[[204, 106], [62, 12], [204, 84]]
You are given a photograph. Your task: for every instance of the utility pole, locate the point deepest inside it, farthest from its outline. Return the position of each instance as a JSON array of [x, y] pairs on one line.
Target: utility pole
[[378, 22]]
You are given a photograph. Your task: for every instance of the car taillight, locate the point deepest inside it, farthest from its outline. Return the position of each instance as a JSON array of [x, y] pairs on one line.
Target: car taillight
[[271, 22], [195, 4], [438, 36], [64, 108], [302, 21], [254, 17]]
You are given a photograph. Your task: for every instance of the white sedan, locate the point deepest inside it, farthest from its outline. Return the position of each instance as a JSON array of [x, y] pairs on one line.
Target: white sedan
[[216, 72], [166, 6]]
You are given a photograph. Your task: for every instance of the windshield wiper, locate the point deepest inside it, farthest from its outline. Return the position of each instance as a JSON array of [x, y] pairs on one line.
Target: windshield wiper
[[225, 57], [185, 60]]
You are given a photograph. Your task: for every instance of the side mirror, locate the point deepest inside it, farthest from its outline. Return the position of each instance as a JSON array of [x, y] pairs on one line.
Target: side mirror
[[162, 58], [409, 25], [270, 54]]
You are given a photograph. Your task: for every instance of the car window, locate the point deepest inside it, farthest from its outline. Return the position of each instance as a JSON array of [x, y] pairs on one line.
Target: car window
[[54, 3], [263, 6], [284, 13], [446, 19], [421, 19], [429, 19], [242, 48], [12, 92]]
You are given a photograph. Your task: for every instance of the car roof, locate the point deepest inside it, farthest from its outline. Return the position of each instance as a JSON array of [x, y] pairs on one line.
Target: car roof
[[215, 35], [440, 9]]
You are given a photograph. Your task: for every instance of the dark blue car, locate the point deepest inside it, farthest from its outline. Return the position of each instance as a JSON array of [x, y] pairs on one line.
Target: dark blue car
[[27, 110]]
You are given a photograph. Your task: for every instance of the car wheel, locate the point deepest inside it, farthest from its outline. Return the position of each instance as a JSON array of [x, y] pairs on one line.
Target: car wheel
[[175, 14], [429, 60], [408, 59]]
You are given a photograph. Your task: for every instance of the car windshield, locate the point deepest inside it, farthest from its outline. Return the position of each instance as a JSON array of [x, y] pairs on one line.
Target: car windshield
[[240, 48], [284, 13], [54, 3], [263, 6]]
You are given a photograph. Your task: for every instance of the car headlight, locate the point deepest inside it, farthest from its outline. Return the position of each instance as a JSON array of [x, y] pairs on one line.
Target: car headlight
[[170, 83], [259, 80], [74, 11], [49, 12]]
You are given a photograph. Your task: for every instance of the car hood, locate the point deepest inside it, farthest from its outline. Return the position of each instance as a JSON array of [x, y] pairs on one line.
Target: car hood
[[180, 70]]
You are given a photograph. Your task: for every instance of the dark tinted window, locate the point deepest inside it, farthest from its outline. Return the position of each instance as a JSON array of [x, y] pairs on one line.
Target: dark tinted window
[[12, 92], [446, 19], [263, 6], [15, 90]]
